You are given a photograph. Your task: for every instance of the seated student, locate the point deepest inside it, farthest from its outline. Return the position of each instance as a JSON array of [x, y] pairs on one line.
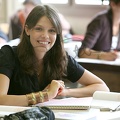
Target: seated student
[[102, 38], [18, 19], [35, 70], [3, 37]]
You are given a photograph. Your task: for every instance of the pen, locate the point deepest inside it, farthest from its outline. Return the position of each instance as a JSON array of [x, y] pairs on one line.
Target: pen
[[109, 109], [105, 109]]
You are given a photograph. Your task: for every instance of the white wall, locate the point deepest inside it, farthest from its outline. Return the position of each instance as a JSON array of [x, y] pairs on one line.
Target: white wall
[[77, 15]]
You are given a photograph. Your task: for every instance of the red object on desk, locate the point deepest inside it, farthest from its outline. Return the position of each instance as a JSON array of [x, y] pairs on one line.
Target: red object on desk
[[77, 37]]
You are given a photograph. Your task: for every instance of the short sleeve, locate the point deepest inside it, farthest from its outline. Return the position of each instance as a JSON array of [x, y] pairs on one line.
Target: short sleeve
[[7, 61], [74, 70]]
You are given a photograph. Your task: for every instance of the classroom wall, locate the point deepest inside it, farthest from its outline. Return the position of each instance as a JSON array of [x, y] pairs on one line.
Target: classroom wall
[[78, 15]]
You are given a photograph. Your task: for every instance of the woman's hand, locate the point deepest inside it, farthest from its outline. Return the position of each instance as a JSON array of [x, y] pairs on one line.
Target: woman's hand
[[55, 88]]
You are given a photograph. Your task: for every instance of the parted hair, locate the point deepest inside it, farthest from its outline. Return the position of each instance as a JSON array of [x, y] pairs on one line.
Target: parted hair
[[55, 60]]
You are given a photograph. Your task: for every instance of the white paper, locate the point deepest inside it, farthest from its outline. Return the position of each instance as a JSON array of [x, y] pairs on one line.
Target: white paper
[[6, 110], [103, 99]]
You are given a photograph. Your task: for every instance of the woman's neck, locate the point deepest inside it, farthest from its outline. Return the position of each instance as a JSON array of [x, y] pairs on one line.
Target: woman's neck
[[116, 25], [116, 18], [115, 30], [39, 55]]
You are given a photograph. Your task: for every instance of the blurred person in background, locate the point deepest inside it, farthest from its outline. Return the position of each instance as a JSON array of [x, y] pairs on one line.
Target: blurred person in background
[[102, 38], [18, 19], [67, 30]]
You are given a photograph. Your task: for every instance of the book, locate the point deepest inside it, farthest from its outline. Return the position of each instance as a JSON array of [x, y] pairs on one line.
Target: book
[[102, 100], [106, 101], [68, 103]]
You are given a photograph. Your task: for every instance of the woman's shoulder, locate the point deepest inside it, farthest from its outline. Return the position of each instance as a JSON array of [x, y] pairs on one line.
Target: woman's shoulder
[[8, 50], [74, 69], [7, 56], [71, 60], [100, 19]]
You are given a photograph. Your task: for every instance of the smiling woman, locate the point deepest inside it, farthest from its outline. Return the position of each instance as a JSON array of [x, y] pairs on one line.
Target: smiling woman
[[35, 70], [42, 36]]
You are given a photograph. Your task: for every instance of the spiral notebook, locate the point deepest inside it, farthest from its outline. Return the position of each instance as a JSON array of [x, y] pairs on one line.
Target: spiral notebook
[[68, 103]]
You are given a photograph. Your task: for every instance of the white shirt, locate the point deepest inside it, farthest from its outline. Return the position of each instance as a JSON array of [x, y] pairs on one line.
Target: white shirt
[[114, 42]]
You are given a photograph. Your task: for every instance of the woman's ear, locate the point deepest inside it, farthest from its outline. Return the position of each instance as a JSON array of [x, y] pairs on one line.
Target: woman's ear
[[27, 30]]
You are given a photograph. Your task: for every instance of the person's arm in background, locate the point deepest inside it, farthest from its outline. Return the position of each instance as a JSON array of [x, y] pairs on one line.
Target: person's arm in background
[[101, 55], [93, 32]]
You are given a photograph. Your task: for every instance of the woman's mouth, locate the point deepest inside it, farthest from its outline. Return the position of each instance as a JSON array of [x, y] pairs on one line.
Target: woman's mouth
[[44, 43]]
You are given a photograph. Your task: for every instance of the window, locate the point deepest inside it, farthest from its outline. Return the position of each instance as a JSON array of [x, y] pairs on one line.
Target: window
[[21, 1], [55, 1], [92, 2], [50, 1]]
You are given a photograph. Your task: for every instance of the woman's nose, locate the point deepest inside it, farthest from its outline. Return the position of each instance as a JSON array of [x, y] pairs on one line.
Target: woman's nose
[[45, 34]]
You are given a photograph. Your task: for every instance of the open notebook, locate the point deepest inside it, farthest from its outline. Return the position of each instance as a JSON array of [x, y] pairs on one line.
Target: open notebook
[[68, 103]]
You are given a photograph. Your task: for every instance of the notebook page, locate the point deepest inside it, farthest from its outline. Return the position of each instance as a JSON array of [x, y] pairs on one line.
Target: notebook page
[[102, 95], [68, 103], [103, 99]]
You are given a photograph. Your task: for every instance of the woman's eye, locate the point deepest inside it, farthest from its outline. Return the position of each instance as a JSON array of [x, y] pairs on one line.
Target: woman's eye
[[52, 31], [37, 29]]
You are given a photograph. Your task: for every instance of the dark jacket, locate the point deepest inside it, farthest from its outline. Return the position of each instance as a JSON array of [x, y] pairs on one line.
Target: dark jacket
[[99, 33], [16, 25]]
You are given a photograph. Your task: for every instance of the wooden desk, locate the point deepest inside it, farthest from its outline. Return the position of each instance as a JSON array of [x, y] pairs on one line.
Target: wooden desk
[[89, 114], [92, 114], [109, 71]]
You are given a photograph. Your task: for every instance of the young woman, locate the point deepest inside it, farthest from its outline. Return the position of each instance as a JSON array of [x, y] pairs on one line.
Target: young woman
[[34, 71], [102, 38]]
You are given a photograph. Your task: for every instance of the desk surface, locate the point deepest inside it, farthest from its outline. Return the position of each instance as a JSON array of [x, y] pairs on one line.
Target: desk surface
[[91, 114], [92, 64], [109, 71], [96, 61]]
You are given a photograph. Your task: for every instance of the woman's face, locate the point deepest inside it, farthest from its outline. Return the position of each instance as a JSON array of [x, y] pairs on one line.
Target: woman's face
[[43, 35]]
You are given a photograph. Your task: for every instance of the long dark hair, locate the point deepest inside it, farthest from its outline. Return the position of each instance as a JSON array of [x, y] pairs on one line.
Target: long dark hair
[[55, 60]]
